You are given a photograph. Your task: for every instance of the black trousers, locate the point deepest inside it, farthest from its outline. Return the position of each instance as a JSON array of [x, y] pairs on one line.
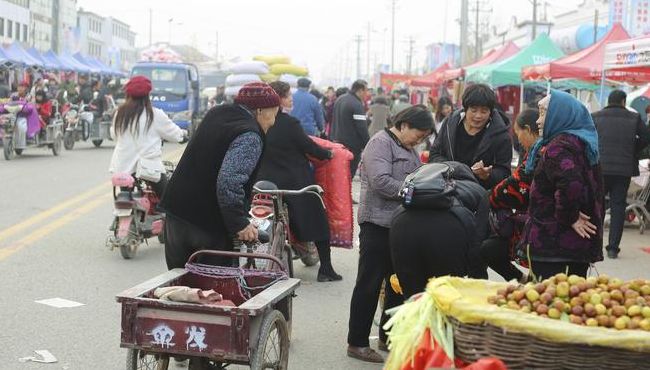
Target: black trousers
[[495, 252], [182, 239], [544, 270], [375, 267], [354, 164], [616, 187]]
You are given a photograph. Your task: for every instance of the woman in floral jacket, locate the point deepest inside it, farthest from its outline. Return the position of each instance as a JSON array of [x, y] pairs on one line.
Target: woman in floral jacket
[[564, 231]]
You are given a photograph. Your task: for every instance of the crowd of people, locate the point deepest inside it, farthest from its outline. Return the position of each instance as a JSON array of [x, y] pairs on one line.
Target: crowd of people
[[546, 215]]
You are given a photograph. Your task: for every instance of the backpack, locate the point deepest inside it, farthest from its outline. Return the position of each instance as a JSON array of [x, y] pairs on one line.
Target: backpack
[[437, 185]]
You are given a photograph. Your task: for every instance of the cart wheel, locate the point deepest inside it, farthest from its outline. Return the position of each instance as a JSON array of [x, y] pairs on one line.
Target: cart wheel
[[128, 249], [8, 146], [97, 143], [68, 140], [138, 360], [311, 257], [56, 145], [272, 351]]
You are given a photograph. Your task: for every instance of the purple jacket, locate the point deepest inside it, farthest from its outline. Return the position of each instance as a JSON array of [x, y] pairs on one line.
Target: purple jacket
[[564, 184], [28, 111]]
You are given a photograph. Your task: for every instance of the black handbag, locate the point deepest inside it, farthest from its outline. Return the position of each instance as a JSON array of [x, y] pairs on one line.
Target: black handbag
[[430, 186]]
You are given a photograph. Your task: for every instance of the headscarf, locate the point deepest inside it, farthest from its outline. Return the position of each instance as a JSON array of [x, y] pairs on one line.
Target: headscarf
[[566, 115]]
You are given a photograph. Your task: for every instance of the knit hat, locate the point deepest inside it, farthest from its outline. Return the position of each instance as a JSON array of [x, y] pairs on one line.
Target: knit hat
[[257, 95], [138, 87], [304, 82]]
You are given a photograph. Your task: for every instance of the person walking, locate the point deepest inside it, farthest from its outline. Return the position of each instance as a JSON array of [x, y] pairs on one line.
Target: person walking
[[564, 230], [350, 126], [621, 137], [307, 109], [285, 164], [476, 136], [208, 198], [386, 161], [399, 105], [378, 114]]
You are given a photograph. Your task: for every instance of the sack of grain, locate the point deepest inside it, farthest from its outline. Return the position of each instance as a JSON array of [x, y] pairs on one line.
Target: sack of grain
[[292, 80], [269, 77], [232, 90], [273, 59], [242, 79], [250, 67], [291, 69]]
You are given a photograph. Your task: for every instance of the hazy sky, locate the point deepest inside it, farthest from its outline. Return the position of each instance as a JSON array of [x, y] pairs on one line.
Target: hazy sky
[[318, 34]]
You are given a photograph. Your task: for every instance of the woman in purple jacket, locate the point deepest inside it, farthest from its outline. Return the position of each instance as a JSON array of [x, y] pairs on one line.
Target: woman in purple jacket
[[564, 231]]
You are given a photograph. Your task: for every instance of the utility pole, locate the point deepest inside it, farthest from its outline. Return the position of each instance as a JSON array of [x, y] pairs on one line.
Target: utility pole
[[476, 26], [595, 25], [464, 7], [368, 52], [534, 19], [410, 55], [392, 53], [358, 40], [216, 46], [150, 25], [479, 7]]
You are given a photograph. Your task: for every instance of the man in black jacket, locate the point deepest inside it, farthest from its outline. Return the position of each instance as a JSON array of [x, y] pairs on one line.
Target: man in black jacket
[[349, 123], [476, 136], [621, 137]]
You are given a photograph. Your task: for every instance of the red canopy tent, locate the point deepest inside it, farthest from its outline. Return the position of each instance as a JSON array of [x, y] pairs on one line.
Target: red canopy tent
[[584, 65], [492, 56], [431, 79]]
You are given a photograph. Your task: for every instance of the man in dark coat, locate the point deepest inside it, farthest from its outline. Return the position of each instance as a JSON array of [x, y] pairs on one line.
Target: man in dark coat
[[476, 136], [285, 164], [208, 197], [349, 125], [621, 137]]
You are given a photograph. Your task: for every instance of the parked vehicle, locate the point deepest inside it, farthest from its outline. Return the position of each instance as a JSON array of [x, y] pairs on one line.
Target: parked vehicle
[[269, 213], [82, 124], [14, 126], [176, 90], [136, 217]]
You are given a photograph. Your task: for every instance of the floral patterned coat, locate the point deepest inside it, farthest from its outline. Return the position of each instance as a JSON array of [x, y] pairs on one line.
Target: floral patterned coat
[[564, 184]]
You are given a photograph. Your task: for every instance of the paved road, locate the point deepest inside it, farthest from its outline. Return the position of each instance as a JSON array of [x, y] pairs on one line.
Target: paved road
[[54, 218]]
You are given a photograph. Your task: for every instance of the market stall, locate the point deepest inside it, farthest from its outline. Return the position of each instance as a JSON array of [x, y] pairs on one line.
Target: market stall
[[492, 56]]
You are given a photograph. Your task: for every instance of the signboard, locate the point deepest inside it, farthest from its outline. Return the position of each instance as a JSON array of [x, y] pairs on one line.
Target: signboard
[[627, 54]]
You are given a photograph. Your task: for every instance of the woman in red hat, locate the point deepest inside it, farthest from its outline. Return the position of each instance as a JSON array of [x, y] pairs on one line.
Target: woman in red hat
[[207, 200], [139, 130]]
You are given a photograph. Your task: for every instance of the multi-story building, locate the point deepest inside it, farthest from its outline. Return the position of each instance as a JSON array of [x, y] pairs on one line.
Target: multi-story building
[[14, 21], [41, 25], [107, 39]]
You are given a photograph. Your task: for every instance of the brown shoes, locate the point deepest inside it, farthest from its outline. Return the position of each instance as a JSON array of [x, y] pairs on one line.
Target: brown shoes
[[382, 346], [366, 354]]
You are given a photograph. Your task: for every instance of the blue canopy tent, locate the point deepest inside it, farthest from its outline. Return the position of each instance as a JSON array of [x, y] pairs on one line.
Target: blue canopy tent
[[81, 59], [111, 70], [46, 63], [4, 60], [19, 56], [52, 58], [106, 70], [74, 64]]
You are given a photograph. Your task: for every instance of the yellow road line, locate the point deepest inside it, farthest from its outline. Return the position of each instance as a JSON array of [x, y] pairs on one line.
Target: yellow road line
[[51, 227], [42, 216]]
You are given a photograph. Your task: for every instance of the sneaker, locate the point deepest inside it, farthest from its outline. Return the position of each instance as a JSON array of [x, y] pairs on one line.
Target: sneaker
[[366, 354], [612, 253]]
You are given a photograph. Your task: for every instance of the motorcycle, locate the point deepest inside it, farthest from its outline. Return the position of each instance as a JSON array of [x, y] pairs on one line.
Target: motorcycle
[[82, 125], [136, 217], [17, 133], [270, 215]]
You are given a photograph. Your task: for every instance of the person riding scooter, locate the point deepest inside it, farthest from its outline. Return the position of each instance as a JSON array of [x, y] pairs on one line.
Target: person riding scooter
[[139, 130]]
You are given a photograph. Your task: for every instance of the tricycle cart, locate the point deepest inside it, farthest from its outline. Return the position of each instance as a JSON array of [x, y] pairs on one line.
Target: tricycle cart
[[252, 329]]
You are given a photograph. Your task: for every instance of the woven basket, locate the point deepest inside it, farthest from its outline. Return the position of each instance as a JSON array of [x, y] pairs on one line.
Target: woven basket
[[524, 351]]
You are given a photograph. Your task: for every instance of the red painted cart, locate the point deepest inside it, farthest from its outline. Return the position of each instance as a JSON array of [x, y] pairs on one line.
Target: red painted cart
[[253, 330]]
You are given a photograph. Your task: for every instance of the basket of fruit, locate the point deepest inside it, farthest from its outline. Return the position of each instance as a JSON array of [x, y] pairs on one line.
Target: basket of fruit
[[565, 322]]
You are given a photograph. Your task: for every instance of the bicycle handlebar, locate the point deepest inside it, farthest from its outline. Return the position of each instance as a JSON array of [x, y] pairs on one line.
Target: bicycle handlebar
[[311, 189]]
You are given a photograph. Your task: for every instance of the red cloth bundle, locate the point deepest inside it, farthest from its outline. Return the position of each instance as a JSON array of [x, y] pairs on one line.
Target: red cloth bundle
[[334, 177]]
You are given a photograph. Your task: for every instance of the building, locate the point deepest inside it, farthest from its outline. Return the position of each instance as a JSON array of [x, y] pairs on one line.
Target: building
[[107, 39], [14, 21], [66, 33], [520, 33], [41, 25]]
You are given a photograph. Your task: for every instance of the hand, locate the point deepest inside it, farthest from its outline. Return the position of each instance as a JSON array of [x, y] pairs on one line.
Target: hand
[[583, 227], [481, 171], [248, 234], [185, 138]]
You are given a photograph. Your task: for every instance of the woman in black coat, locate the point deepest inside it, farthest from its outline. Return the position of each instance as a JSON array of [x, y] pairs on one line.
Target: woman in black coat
[[285, 164]]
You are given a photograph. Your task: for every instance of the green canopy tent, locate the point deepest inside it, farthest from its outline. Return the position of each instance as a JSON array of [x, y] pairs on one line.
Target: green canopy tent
[[508, 71]]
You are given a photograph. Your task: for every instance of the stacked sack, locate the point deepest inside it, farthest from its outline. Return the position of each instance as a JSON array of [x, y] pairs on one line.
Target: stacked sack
[[282, 69], [243, 73]]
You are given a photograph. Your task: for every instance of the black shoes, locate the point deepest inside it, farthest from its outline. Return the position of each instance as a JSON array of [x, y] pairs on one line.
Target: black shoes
[[612, 253], [328, 274]]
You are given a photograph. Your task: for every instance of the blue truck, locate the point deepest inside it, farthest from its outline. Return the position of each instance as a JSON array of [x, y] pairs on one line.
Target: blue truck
[[175, 90]]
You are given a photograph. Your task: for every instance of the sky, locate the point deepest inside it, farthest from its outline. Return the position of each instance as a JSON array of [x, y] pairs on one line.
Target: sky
[[316, 34]]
